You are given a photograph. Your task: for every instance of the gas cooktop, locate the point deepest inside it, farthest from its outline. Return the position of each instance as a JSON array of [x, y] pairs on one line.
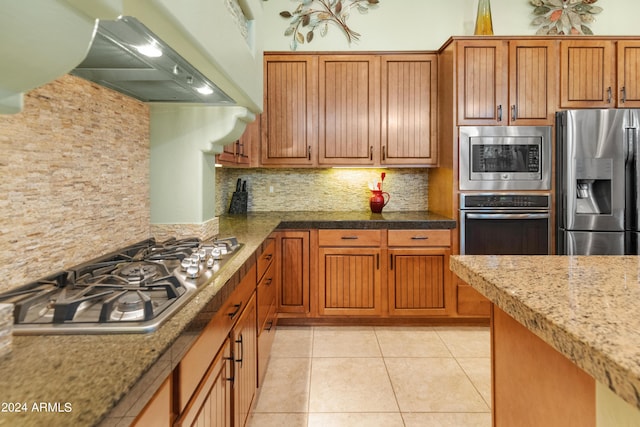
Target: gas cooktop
[[133, 290]]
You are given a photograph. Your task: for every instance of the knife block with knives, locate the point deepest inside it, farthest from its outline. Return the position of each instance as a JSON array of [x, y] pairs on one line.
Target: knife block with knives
[[239, 198]]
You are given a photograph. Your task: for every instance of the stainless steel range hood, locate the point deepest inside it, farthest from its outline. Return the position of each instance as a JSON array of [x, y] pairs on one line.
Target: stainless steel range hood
[[127, 57]]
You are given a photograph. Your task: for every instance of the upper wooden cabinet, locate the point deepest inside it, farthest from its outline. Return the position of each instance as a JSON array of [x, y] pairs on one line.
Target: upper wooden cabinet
[[349, 99], [600, 74], [350, 110], [587, 74], [289, 118], [239, 153], [533, 76], [628, 74], [482, 82], [506, 82], [409, 109]]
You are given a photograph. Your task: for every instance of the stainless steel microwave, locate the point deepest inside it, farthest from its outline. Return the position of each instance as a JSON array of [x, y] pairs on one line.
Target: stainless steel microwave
[[505, 158]]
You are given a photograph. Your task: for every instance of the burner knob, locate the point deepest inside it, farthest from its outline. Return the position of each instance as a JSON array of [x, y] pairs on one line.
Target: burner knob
[[193, 270], [216, 253], [202, 253], [210, 261], [186, 262]]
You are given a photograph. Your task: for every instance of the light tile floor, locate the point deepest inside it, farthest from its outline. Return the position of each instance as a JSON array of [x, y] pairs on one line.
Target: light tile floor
[[376, 376]]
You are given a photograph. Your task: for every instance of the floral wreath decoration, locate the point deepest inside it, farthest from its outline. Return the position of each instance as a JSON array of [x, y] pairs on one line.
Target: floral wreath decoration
[[564, 17]]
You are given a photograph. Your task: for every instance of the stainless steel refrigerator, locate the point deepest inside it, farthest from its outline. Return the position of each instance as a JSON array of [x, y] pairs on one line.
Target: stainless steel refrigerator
[[597, 181]]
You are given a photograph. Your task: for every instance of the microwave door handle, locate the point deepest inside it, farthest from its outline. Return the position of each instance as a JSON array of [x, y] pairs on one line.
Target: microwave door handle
[[507, 216]]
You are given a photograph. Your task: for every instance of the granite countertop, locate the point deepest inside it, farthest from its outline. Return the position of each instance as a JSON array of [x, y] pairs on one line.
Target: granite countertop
[[586, 307], [78, 380]]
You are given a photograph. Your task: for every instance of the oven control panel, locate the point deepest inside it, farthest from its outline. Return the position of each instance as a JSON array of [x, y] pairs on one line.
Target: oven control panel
[[512, 201]]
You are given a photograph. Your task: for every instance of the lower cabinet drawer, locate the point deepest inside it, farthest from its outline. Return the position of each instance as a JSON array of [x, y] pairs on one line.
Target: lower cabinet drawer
[[266, 295], [419, 237], [350, 237], [265, 341]]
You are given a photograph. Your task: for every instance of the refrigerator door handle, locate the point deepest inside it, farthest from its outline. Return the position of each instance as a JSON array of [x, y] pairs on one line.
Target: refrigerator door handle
[[635, 196]]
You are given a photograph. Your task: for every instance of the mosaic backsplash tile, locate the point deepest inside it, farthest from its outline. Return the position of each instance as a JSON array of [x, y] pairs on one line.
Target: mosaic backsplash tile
[[334, 189]]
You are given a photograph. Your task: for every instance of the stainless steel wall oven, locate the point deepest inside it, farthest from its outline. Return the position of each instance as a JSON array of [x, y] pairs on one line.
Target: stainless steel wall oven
[[505, 224]]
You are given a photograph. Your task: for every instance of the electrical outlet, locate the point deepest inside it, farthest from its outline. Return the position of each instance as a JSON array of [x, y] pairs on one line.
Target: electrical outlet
[[271, 189]]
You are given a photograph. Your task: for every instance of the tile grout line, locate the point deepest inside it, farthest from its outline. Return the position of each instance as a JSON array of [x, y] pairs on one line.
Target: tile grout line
[[386, 368], [313, 340]]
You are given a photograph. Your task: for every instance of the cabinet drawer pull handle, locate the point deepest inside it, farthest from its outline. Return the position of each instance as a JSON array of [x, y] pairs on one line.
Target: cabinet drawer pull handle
[[230, 359], [236, 311], [371, 152], [609, 95], [268, 281], [349, 237], [309, 152], [500, 112], [239, 341], [624, 94], [420, 238], [390, 261], [384, 152], [513, 113], [268, 257]]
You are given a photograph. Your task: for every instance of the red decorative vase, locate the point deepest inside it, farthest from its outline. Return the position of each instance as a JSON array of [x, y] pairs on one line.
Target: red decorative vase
[[377, 201]]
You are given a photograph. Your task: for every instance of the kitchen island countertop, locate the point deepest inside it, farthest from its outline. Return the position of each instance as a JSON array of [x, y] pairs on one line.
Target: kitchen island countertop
[[79, 380], [585, 307]]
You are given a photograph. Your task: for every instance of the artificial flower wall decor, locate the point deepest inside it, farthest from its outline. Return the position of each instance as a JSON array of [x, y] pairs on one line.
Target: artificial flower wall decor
[[312, 15], [564, 17]]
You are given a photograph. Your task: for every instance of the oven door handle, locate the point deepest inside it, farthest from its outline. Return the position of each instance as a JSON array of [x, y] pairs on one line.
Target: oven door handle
[[506, 216]]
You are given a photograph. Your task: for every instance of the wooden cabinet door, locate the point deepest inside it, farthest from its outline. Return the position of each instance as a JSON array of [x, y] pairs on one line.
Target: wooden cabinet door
[[158, 411], [417, 281], [587, 74], [628, 74], [482, 82], [228, 155], [349, 114], [533, 79], [211, 406], [292, 278], [409, 109], [238, 153], [245, 355], [289, 121], [470, 302], [349, 281]]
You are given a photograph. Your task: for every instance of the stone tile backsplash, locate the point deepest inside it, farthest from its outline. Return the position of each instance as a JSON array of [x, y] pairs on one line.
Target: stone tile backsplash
[[333, 189], [74, 178]]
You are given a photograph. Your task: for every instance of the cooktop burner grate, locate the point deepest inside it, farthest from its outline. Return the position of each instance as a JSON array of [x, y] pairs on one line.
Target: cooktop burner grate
[[131, 290]]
